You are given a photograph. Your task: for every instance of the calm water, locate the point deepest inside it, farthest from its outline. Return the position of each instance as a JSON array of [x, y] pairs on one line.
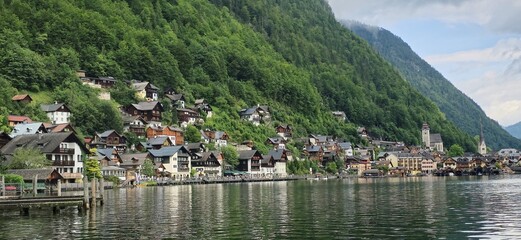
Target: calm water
[[399, 208]]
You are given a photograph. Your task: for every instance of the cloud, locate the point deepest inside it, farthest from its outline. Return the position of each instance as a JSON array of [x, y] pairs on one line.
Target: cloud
[[499, 15], [503, 50]]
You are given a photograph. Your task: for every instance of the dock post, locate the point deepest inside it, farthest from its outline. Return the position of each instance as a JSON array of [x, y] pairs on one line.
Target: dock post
[[35, 184], [86, 203], [101, 190], [59, 187], [2, 184], [93, 193]]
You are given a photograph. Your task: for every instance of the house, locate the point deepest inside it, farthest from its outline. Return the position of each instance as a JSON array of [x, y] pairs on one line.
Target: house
[[280, 158], [28, 128], [188, 116], [340, 115], [133, 163], [284, 130], [46, 176], [108, 157], [64, 149], [250, 162], [22, 98], [176, 135], [114, 171], [220, 138], [346, 148], [149, 111], [358, 164], [256, 115], [176, 160], [110, 139], [362, 132], [156, 142], [57, 112], [428, 166], [276, 142], [449, 163], [210, 164], [509, 153], [314, 153], [14, 120], [177, 100], [134, 124], [431, 141], [463, 163], [145, 90], [267, 166], [372, 173], [196, 149], [319, 140], [411, 163], [100, 82], [203, 106]]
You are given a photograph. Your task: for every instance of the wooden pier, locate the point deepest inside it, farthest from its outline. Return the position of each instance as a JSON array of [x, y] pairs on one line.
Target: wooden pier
[[56, 203]]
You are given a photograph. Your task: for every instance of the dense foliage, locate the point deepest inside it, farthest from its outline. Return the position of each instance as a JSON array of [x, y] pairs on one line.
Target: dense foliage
[[458, 108], [290, 55], [27, 158]]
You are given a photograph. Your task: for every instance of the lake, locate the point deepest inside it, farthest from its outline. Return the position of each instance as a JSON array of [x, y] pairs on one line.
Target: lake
[[478, 207]]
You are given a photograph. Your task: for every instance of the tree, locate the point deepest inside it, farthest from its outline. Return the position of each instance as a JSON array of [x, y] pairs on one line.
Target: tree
[[192, 134], [230, 155], [148, 168], [455, 150], [27, 158], [92, 168], [331, 167]]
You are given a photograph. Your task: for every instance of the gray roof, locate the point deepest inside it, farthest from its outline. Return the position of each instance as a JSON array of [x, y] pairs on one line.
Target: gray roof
[[175, 97], [196, 145], [157, 140], [106, 133], [139, 86], [104, 152], [345, 145], [112, 168], [146, 106], [27, 128], [167, 151], [133, 159], [28, 174], [436, 138], [46, 142], [51, 107], [276, 154], [246, 154], [248, 111], [199, 101], [313, 148]]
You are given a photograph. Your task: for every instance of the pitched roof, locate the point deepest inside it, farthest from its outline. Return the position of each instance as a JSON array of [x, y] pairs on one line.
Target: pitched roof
[[51, 107], [46, 142], [146, 106], [199, 101], [195, 145], [313, 148], [107, 133], [20, 97], [248, 111], [27, 128], [139, 86], [15, 118], [247, 154], [107, 152], [175, 97], [345, 145], [436, 138], [60, 127], [28, 174], [276, 154], [133, 159], [167, 151], [159, 140]]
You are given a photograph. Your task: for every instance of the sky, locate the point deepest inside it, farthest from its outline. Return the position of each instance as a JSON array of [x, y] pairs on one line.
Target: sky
[[475, 44]]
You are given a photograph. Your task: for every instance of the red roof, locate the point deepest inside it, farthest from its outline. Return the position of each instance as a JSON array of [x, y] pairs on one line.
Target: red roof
[[14, 118], [21, 97]]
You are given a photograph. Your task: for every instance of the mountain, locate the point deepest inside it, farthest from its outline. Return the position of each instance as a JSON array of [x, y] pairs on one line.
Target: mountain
[[457, 107], [514, 130], [290, 55]]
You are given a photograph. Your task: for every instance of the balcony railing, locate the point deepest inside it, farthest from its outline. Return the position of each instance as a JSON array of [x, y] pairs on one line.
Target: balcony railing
[[63, 163], [65, 151]]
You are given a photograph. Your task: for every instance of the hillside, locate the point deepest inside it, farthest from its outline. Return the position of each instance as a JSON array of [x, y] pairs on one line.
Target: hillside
[[290, 55], [514, 130], [457, 107]]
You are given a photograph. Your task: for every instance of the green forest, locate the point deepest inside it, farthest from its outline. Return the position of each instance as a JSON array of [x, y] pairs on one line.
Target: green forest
[[290, 55], [458, 108]]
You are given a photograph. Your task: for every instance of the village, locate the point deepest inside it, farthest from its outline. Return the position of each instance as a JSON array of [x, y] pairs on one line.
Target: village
[[178, 160]]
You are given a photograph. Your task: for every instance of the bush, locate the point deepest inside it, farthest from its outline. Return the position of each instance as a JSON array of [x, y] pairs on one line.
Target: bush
[[113, 179], [13, 178]]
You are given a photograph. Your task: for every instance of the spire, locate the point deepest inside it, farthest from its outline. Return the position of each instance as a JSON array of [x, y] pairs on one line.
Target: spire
[[481, 136], [482, 147]]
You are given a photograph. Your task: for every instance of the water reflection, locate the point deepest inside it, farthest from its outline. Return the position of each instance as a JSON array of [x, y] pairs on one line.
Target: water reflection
[[428, 207]]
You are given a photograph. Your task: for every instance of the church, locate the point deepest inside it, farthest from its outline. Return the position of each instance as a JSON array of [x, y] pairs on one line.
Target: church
[[431, 141]]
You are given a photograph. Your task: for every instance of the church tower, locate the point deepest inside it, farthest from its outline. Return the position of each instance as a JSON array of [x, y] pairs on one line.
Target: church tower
[[426, 136], [482, 147]]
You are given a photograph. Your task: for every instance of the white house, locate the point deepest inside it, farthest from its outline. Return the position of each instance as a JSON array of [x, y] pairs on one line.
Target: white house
[[175, 159], [57, 113]]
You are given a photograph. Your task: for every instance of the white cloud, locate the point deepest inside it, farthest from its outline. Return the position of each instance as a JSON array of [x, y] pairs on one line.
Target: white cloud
[[507, 49], [497, 15]]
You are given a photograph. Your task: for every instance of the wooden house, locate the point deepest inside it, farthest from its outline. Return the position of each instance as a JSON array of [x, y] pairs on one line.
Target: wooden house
[[250, 162], [176, 135], [149, 111], [22, 98]]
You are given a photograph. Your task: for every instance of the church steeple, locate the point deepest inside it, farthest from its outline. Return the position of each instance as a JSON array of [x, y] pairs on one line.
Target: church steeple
[[482, 147]]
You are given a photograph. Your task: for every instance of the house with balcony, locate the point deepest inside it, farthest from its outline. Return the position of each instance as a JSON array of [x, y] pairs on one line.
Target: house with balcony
[[57, 113], [276, 142], [284, 130], [411, 163], [209, 164], [64, 149], [175, 159], [149, 111], [314, 153], [145, 90], [108, 157], [134, 124], [133, 164], [196, 149], [449, 163], [175, 134], [256, 115], [202, 106], [250, 162], [346, 148], [110, 139], [156, 142], [177, 100], [220, 138], [280, 158], [188, 116]]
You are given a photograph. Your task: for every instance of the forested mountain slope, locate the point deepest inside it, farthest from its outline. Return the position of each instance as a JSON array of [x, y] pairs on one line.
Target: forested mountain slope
[[457, 107], [290, 55], [514, 130]]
